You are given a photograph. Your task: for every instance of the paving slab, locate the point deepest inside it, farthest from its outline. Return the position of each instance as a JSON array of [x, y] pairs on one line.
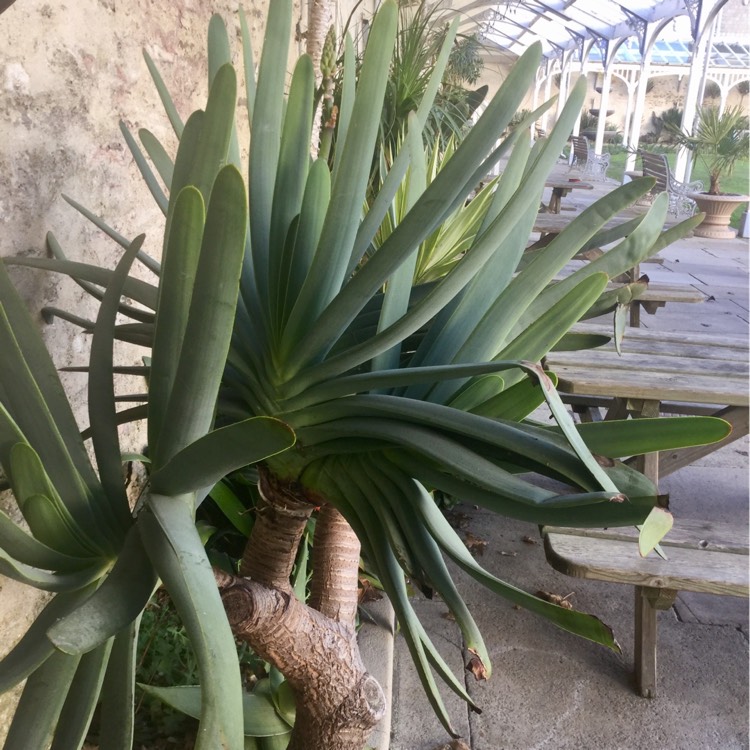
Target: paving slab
[[415, 726]]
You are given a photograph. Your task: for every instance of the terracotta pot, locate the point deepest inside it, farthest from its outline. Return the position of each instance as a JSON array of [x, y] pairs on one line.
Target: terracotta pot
[[718, 210]]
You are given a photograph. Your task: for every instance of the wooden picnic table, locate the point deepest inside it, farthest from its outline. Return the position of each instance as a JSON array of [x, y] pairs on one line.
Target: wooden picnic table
[[657, 373], [560, 188]]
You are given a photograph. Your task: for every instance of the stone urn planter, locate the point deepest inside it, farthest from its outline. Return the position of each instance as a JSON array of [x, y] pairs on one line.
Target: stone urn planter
[[718, 210]]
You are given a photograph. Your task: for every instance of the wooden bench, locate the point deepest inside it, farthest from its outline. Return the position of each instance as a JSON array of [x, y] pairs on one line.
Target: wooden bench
[[700, 373], [593, 165], [705, 557], [657, 166]]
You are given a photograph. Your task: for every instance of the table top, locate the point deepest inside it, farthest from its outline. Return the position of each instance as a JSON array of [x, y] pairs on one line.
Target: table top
[[657, 292], [554, 223], [564, 183], [656, 366]]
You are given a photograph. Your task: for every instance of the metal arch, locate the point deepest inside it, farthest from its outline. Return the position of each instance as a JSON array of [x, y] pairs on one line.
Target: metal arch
[[579, 20], [561, 14], [695, 10], [530, 29], [614, 48], [639, 25]]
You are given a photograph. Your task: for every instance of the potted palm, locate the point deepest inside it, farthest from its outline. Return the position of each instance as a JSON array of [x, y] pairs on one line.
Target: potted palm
[[720, 140]]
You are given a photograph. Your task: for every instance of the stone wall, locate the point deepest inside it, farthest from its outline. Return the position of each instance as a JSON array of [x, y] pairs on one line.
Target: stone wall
[[68, 73]]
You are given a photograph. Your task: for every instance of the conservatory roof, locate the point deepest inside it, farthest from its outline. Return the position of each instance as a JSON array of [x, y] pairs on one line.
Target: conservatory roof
[[560, 25], [677, 52]]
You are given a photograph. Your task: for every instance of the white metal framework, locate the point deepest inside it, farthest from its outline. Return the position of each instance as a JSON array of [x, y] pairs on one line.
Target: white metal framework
[[624, 38]]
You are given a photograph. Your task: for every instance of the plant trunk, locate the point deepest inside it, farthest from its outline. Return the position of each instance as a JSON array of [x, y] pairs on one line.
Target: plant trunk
[[314, 646], [319, 20]]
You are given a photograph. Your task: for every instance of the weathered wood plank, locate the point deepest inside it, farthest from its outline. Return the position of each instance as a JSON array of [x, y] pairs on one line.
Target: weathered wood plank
[[727, 391], [687, 532], [692, 350], [703, 571], [608, 359], [647, 334]]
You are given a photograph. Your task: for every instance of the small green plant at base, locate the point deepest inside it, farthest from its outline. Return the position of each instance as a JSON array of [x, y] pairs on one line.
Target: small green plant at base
[[166, 659]]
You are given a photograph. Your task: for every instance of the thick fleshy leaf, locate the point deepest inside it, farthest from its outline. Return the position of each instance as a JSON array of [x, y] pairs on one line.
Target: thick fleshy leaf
[[356, 508], [146, 172], [48, 516], [515, 403], [117, 602], [192, 401], [579, 623], [41, 702], [166, 99], [219, 54], [259, 713], [395, 490], [266, 134], [118, 691], [419, 223], [175, 293], [158, 155], [233, 508], [30, 551], [101, 399], [328, 270], [34, 648], [291, 178], [653, 530], [82, 698], [632, 437], [248, 65], [208, 459], [138, 290], [176, 550]]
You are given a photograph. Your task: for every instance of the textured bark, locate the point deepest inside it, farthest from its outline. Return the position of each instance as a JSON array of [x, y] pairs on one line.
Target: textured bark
[[338, 701], [335, 561], [319, 20], [269, 553]]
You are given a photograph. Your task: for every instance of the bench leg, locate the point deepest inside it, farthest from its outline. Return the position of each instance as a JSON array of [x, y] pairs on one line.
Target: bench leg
[[648, 601], [648, 463]]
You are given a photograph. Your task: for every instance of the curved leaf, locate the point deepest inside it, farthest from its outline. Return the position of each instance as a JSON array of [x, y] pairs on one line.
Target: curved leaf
[[116, 604], [176, 550], [260, 716], [41, 702], [208, 459], [118, 691]]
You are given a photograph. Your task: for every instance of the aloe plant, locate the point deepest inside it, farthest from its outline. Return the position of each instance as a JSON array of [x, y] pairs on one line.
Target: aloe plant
[[356, 392]]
